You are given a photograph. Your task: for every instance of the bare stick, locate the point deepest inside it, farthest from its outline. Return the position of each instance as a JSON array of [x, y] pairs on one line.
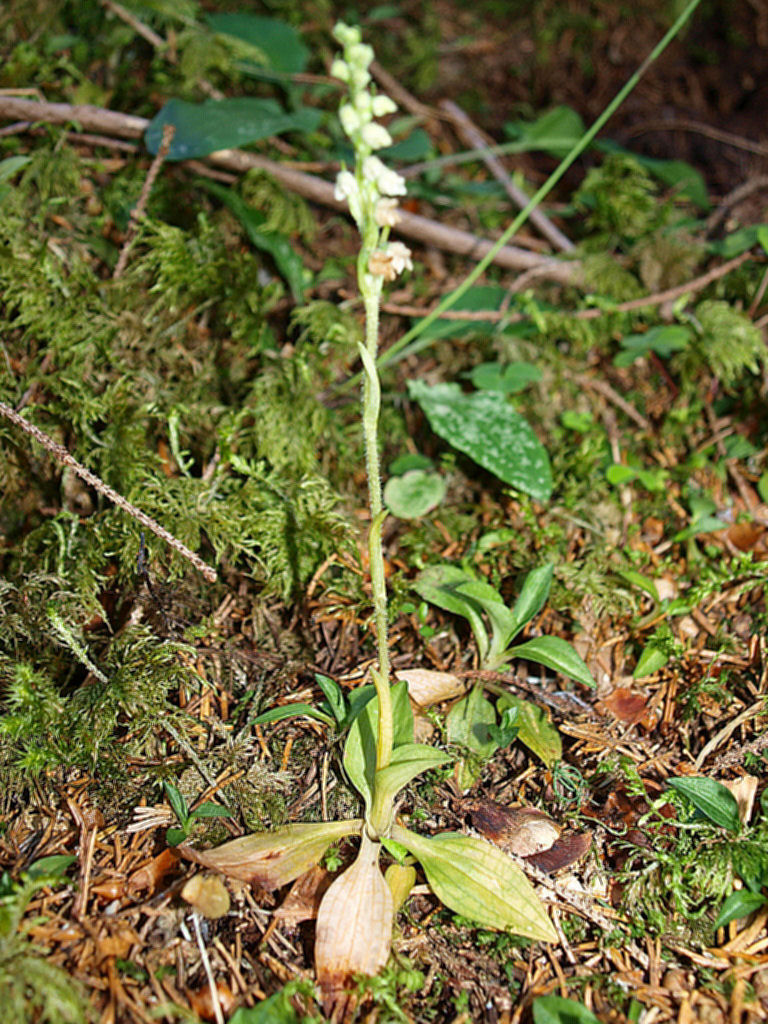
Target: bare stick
[[138, 211], [696, 284], [60, 453], [422, 229], [472, 136]]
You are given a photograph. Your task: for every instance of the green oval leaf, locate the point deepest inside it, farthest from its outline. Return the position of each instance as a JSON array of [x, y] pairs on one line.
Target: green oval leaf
[[557, 654], [278, 43], [485, 427], [651, 659], [204, 128], [414, 493], [468, 723], [360, 748], [479, 881], [712, 798]]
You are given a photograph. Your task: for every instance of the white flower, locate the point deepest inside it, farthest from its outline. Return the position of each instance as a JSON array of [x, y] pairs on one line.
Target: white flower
[[346, 189], [347, 35], [340, 69], [386, 214], [375, 135], [383, 105], [388, 182], [350, 119], [360, 55]]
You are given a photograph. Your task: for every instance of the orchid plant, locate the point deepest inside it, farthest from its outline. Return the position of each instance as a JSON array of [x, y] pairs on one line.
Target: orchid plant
[[468, 874]]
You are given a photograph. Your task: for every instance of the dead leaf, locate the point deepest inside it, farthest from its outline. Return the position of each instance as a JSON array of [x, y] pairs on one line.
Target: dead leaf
[[566, 850], [519, 830], [627, 706], [151, 875], [303, 901], [427, 687], [354, 929]]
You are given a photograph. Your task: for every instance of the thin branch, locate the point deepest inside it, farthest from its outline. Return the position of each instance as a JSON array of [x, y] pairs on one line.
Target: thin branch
[[422, 229], [472, 136], [138, 211], [61, 454]]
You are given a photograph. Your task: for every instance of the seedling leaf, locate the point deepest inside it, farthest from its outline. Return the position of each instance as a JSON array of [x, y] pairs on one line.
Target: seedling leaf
[[711, 798], [557, 1010], [534, 728]]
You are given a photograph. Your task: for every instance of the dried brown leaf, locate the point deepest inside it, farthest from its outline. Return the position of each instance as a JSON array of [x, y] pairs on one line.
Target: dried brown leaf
[[427, 687], [354, 929]]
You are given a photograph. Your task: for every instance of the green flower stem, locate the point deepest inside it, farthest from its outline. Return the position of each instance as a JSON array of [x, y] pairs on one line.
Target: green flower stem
[[371, 404]]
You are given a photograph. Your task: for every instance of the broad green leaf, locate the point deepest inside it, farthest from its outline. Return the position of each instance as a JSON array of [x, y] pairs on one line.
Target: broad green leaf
[[334, 695], [284, 711], [278, 41], [652, 658], [534, 728], [502, 620], [762, 231], [736, 242], [712, 798], [507, 378], [619, 474], [663, 340], [558, 1010], [440, 585], [174, 836], [414, 494], [532, 597], [407, 762], [360, 748], [555, 132], [739, 904], [468, 723], [479, 881], [557, 654], [288, 262], [204, 128], [679, 175], [485, 427]]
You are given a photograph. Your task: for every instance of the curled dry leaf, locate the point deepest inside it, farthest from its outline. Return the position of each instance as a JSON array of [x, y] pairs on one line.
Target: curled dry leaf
[[272, 859], [627, 706], [151, 875], [529, 833], [207, 894], [744, 790], [519, 830], [570, 847], [427, 687], [354, 928]]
